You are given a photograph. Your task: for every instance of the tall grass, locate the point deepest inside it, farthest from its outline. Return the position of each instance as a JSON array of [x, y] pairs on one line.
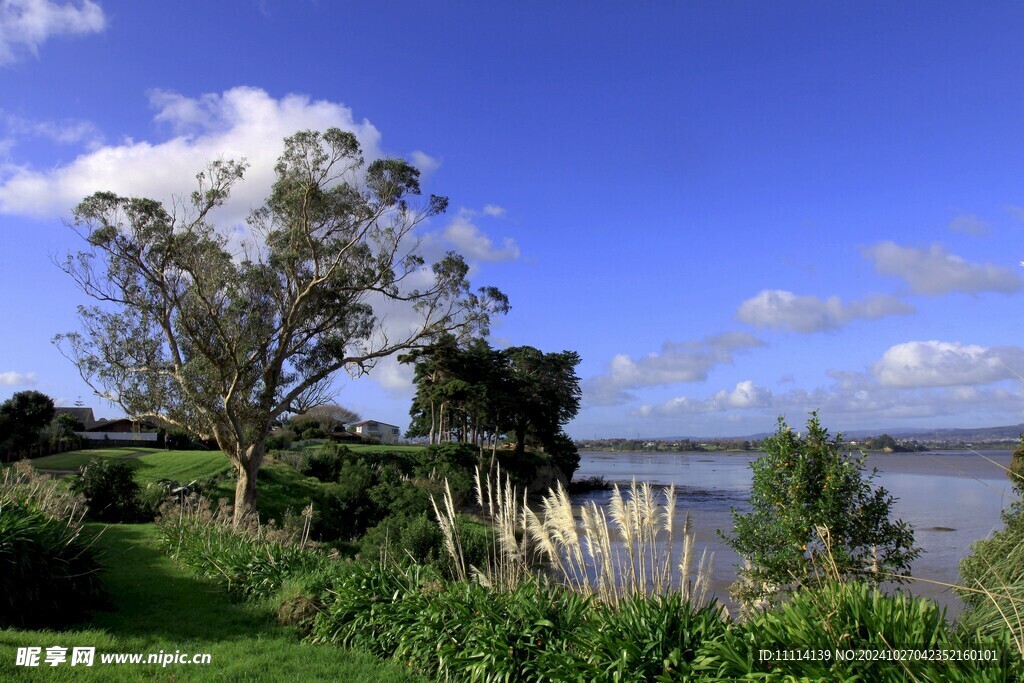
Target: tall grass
[[248, 559], [613, 553], [993, 574], [48, 574]]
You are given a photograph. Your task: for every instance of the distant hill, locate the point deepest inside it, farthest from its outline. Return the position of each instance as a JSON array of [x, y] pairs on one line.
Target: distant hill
[[1002, 433]]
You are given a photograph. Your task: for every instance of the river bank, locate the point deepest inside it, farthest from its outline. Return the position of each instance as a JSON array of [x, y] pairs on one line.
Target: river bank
[[952, 498]]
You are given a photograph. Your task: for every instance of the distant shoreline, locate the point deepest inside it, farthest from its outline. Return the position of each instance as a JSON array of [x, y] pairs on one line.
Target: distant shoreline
[[733, 451]]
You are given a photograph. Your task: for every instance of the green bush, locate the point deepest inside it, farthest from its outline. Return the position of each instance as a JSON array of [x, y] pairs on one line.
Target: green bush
[[992, 576], [48, 576], [110, 490], [281, 440], [182, 440], [401, 537], [249, 560], [325, 463], [814, 516], [850, 616], [535, 632], [650, 638]]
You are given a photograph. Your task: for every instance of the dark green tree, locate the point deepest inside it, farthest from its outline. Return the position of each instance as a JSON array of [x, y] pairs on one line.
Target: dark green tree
[[22, 417], [223, 340], [542, 393], [815, 515], [476, 394], [64, 426]]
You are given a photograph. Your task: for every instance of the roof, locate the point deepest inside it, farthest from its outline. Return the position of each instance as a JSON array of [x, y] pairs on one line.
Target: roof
[[83, 415], [366, 422], [103, 425]]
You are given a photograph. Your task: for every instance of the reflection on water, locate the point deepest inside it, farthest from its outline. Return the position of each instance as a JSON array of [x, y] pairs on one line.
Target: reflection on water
[[952, 498]]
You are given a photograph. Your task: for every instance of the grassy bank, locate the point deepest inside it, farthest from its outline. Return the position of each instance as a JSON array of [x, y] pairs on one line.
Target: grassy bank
[[155, 605], [150, 464]]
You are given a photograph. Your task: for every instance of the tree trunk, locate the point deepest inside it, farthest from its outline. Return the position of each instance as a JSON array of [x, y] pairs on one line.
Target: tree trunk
[[247, 465], [433, 425], [520, 438]]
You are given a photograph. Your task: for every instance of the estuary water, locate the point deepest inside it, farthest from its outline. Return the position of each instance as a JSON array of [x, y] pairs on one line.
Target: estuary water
[[952, 498]]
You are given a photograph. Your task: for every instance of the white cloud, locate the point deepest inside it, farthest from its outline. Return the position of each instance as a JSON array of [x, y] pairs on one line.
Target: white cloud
[[1015, 211], [968, 224], [746, 395], [396, 378], [938, 364], [15, 379], [27, 24], [424, 162], [494, 210], [935, 271], [65, 132], [468, 240], [239, 123], [781, 309], [677, 362]]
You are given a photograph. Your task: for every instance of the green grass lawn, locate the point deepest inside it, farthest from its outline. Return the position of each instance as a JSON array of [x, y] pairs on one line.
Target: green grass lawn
[[72, 460], [152, 464], [158, 606], [183, 466], [375, 448], [279, 487]]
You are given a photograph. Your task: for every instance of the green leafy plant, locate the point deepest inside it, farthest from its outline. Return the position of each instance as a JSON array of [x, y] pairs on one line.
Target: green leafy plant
[[110, 489], [48, 574], [992, 576], [814, 514], [851, 617], [324, 463], [248, 559]]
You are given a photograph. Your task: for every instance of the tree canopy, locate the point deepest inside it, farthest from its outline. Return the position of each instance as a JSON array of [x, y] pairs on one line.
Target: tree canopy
[[22, 416], [476, 394], [223, 338]]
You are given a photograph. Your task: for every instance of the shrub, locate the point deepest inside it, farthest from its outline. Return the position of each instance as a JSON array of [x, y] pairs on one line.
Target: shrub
[[48, 575], [281, 440], [649, 638], [457, 630], [814, 514], [399, 538], [325, 463], [181, 440], [992, 576], [110, 490], [248, 560], [845, 616]]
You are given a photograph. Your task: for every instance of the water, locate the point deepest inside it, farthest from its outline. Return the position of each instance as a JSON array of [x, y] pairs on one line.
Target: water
[[952, 498]]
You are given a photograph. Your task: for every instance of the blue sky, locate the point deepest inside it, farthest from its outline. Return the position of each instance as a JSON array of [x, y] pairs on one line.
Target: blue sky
[[732, 211]]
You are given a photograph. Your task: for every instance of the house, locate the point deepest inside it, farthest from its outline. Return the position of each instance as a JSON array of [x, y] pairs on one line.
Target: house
[[82, 415], [122, 425], [381, 431], [123, 431]]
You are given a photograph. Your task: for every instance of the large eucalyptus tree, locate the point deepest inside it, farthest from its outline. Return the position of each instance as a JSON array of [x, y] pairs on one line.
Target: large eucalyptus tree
[[192, 328]]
